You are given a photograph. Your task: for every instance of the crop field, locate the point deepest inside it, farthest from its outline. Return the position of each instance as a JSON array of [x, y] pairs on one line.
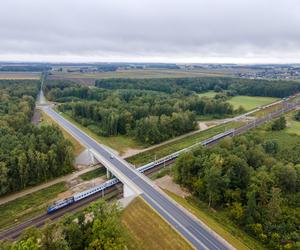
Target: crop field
[[137, 73], [250, 102], [168, 148], [148, 230], [28, 206], [19, 75]]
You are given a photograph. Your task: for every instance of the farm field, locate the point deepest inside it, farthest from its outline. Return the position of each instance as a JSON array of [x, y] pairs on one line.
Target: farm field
[[250, 102], [219, 223], [28, 206], [166, 149], [141, 73], [148, 230], [19, 75]]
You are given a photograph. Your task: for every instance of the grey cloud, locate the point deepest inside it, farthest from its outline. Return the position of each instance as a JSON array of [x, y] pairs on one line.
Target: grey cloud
[[152, 30]]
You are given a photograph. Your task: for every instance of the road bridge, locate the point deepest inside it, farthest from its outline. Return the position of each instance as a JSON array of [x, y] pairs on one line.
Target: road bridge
[[198, 234]]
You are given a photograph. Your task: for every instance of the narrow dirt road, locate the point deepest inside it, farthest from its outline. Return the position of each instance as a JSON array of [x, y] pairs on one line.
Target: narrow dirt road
[[65, 178]]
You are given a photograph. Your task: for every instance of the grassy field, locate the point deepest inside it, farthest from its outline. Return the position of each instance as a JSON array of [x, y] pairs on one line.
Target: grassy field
[[28, 206], [19, 75], [119, 143], [209, 94], [78, 148], [293, 126], [166, 149], [266, 111], [148, 230], [219, 223], [93, 174], [250, 102]]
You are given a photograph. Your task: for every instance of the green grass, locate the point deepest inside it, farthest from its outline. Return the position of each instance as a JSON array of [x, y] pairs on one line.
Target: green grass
[[293, 126], [162, 172], [218, 222], [210, 94], [93, 174], [28, 206], [119, 143], [250, 102], [166, 149], [148, 230]]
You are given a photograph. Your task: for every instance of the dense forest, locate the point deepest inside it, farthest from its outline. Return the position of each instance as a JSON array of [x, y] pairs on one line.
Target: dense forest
[[148, 115], [255, 180], [98, 227], [251, 87], [28, 154]]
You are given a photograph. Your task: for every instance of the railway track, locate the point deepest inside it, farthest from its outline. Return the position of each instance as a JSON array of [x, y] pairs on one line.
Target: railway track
[[39, 221]]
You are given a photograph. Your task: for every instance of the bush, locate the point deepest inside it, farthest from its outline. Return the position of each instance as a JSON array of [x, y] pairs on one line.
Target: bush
[[279, 124]]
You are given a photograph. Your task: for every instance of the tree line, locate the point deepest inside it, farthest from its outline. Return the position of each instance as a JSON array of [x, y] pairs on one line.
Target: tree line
[[29, 154], [251, 87], [254, 180], [150, 116], [98, 227]]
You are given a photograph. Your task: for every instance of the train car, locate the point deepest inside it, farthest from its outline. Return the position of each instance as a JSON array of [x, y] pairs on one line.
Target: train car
[[60, 204], [91, 191]]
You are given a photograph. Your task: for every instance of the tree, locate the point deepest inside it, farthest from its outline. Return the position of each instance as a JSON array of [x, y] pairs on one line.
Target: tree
[[271, 146], [215, 183], [3, 178], [25, 244], [297, 116], [54, 238], [273, 207], [236, 211], [279, 124]]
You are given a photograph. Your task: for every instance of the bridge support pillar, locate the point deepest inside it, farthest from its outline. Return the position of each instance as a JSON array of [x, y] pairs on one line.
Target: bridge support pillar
[[92, 157], [127, 191], [108, 174]]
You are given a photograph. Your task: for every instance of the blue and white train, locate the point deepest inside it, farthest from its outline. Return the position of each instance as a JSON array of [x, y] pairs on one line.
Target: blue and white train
[[79, 196]]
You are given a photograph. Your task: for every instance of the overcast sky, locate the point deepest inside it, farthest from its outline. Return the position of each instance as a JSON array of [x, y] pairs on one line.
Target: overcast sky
[[238, 31]]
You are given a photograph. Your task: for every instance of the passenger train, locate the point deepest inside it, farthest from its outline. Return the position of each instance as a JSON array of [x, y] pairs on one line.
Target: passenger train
[[79, 196]]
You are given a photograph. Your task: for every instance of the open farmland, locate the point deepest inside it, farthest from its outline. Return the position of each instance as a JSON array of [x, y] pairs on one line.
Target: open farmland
[[89, 78], [19, 75]]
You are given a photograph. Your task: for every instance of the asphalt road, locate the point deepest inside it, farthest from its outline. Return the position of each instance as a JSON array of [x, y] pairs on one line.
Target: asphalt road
[[200, 236], [196, 233]]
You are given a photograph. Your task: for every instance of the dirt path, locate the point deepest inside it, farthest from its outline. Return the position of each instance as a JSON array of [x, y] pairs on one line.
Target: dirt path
[[167, 183], [65, 178]]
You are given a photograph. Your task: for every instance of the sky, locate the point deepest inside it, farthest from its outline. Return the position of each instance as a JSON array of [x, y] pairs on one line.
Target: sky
[[177, 31]]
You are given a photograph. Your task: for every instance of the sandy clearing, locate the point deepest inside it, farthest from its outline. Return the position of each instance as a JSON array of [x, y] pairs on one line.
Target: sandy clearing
[[167, 183]]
